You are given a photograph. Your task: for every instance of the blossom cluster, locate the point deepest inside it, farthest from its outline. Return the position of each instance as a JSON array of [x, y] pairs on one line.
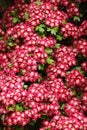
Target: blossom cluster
[[43, 65]]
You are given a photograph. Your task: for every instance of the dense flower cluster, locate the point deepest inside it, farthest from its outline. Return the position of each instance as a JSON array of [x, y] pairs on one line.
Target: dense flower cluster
[[74, 79], [84, 66], [81, 46], [43, 65], [73, 10]]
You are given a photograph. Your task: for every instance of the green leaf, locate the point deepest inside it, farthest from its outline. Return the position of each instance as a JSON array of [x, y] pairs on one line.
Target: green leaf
[[53, 30], [59, 37], [50, 60], [20, 72], [48, 129], [10, 39], [30, 54], [2, 117], [19, 108], [78, 68], [62, 106], [81, 15], [14, 12], [38, 2], [26, 15], [76, 18], [40, 28], [32, 123], [1, 68], [10, 65], [64, 22], [27, 108], [25, 86], [44, 117], [1, 37], [49, 29], [11, 44], [57, 45], [40, 67], [17, 127], [48, 50], [79, 95], [39, 80], [74, 93], [67, 72], [53, 7], [10, 108], [15, 20]]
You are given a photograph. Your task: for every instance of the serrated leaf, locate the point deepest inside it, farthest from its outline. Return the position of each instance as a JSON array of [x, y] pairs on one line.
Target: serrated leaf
[[48, 50], [42, 25], [74, 93], [17, 127], [26, 15], [14, 12], [2, 117], [1, 37], [40, 67], [40, 28], [62, 106], [19, 108], [10, 39], [38, 2], [39, 80], [30, 54], [20, 72], [37, 28], [11, 44], [59, 37], [64, 22], [54, 30], [53, 7], [81, 15], [15, 20], [44, 117], [1, 68], [10, 65], [76, 18], [67, 72], [50, 60], [32, 123], [57, 45], [25, 86], [10, 108], [48, 129], [48, 29], [78, 68], [79, 95]]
